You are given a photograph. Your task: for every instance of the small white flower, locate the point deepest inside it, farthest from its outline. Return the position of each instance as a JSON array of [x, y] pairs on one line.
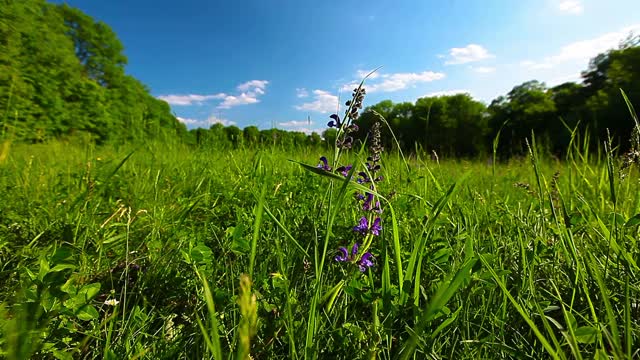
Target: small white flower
[[112, 302]]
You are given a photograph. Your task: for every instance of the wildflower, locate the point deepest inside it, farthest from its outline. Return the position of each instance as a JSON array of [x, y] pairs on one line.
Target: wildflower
[[368, 204], [346, 125], [373, 167], [324, 164], [363, 178], [376, 227], [364, 228], [356, 103], [375, 148], [344, 170], [365, 262], [335, 122], [112, 302], [345, 143], [344, 254]]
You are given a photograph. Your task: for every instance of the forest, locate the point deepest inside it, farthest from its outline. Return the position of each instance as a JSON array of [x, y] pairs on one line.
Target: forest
[[62, 74]]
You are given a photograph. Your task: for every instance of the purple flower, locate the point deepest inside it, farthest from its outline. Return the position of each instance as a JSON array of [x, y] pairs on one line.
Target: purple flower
[[364, 178], [376, 227], [363, 226], [366, 206], [335, 122], [365, 262], [377, 208], [364, 229], [344, 170], [324, 164], [343, 255], [373, 167], [345, 143]]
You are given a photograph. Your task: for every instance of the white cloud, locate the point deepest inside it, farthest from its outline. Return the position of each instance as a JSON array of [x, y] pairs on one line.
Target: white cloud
[[302, 93], [447, 93], [483, 69], [580, 52], [304, 126], [242, 99], [353, 85], [215, 120], [195, 123], [190, 99], [396, 81], [295, 123], [308, 131], [253, 85], [323, 102], [573, 7], [188, 121], [469, 53], [250, 91]]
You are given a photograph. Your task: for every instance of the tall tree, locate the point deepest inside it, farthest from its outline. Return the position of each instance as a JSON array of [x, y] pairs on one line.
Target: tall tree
[[614, 71], [527, 108], [62, 73], [96, 46]]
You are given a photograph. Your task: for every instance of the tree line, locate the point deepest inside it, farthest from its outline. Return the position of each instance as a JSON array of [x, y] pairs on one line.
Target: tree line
[[461, 126], [62, 75]]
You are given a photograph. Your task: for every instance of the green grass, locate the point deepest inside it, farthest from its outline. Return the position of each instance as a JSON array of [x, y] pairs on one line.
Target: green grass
[[528, 259]]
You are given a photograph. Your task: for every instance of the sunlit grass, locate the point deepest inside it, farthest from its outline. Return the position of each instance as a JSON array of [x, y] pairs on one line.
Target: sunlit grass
[[531, 259]]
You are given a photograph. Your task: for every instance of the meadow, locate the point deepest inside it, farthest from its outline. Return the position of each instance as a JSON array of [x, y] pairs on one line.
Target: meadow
[[170, 251], [126, 234]]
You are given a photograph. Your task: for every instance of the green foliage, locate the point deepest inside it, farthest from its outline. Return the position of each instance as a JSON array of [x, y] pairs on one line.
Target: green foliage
[[106, 258], [62, 75]]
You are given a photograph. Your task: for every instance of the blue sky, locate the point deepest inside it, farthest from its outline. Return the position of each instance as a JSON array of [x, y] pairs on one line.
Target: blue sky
[[282, 62]]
